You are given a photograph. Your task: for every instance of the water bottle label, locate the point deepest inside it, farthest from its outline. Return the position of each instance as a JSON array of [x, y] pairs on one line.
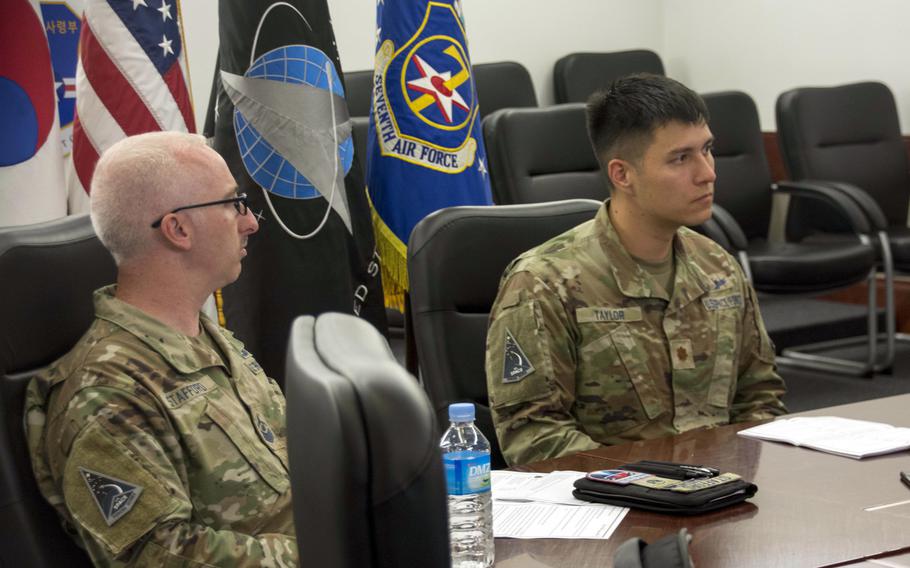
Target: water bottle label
[[467, 472]]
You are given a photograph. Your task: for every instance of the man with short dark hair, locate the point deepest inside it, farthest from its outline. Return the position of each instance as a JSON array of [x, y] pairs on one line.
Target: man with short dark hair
[[630, 326], [158, 439]]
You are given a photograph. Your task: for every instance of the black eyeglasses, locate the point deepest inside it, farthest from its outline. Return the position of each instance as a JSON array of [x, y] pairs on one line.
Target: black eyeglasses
[[239, 203]]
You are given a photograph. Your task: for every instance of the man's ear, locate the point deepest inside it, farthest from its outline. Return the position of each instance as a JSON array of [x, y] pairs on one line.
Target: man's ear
[[621, 175], [177, 234]]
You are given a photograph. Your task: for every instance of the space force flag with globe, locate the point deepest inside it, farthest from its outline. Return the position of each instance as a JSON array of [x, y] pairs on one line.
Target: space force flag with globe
[[32, 187], [281, 123], [425, 144]]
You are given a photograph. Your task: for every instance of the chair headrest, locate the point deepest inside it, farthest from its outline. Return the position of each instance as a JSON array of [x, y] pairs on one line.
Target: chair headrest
[[503, 84], [347, 343], [545, 140], [829, 116], [456, 255], [394, 411], [734, 123], [577, 75], [50, 271]]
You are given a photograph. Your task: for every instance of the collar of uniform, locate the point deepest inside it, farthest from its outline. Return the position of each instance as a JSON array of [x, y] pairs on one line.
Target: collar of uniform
[[633, 281], [232, 347], [690, 281], [181, 352]]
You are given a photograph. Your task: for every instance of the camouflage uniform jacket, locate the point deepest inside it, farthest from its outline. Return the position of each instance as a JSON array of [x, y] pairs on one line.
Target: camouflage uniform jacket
[[585, 349], [160, 452]]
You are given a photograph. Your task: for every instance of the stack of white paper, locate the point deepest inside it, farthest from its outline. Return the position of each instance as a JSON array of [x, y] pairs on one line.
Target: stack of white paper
[[842, 436], [541, 505]]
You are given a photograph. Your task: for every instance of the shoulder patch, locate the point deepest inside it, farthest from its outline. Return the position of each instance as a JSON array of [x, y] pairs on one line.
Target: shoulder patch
[[516, 365], [265, 431], [113, 496]]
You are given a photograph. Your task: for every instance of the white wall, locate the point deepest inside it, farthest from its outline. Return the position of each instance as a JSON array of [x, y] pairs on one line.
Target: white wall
[[765, 47], [200, 32], [762, 47]]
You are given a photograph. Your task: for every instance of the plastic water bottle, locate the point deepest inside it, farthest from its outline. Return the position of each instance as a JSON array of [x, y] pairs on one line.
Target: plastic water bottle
[[466, 456]]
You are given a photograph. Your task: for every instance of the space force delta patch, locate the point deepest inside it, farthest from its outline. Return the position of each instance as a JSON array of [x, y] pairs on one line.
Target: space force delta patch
[[113, 496], [516, 365]]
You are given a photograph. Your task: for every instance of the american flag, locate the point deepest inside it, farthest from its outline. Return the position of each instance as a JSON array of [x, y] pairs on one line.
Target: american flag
[[131, 78]]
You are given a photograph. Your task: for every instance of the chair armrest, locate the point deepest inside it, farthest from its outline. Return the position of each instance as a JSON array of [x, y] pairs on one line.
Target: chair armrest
[[734, 233], [712, 230], [846, 204], [865, 201]]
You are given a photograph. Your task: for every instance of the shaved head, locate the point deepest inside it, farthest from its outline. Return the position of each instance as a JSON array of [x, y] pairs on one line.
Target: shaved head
[[140, 178]]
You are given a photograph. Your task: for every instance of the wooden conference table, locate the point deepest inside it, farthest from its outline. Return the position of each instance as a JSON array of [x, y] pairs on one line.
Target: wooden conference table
[[811, 509]]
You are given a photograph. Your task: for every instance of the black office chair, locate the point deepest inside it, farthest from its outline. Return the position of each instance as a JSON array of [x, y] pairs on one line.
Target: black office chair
[[541, 154], [456, 257], [848, 137], [360, 130], [366, 470], [503, 84], [49, 273], [358, 91], [577, 75], [743, 195]]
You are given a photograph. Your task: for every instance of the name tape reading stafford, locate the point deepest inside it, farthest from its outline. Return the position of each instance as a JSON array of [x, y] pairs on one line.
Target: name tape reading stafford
[[179, 396]]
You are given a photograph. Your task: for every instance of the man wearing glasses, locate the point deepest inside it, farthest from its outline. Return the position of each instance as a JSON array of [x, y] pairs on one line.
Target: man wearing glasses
[[158, 438]]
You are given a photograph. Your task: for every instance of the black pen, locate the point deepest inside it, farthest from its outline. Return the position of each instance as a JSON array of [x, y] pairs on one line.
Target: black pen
[[702, 470], [905, 478], [667, 469]]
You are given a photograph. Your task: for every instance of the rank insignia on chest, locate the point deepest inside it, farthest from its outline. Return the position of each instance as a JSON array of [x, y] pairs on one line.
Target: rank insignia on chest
[[265, 431], [516, 365], [720, 281], [113, 496], [681, 354]]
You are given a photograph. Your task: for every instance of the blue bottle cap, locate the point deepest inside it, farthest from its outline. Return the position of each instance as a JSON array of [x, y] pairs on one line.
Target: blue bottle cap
[[461, 412]]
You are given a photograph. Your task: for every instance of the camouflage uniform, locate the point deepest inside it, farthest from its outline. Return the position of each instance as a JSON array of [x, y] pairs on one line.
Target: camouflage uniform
[[159, 451], [584, 349]]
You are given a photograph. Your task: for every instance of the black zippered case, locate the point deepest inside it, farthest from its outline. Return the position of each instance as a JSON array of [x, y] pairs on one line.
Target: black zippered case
[[664, 500]]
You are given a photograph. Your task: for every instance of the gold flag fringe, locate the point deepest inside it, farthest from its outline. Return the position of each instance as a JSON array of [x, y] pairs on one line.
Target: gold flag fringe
[[219, 305], [394, 263]]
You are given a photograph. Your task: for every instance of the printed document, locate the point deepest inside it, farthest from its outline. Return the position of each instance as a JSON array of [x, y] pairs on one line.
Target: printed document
[[541, 505], [842, 436]]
